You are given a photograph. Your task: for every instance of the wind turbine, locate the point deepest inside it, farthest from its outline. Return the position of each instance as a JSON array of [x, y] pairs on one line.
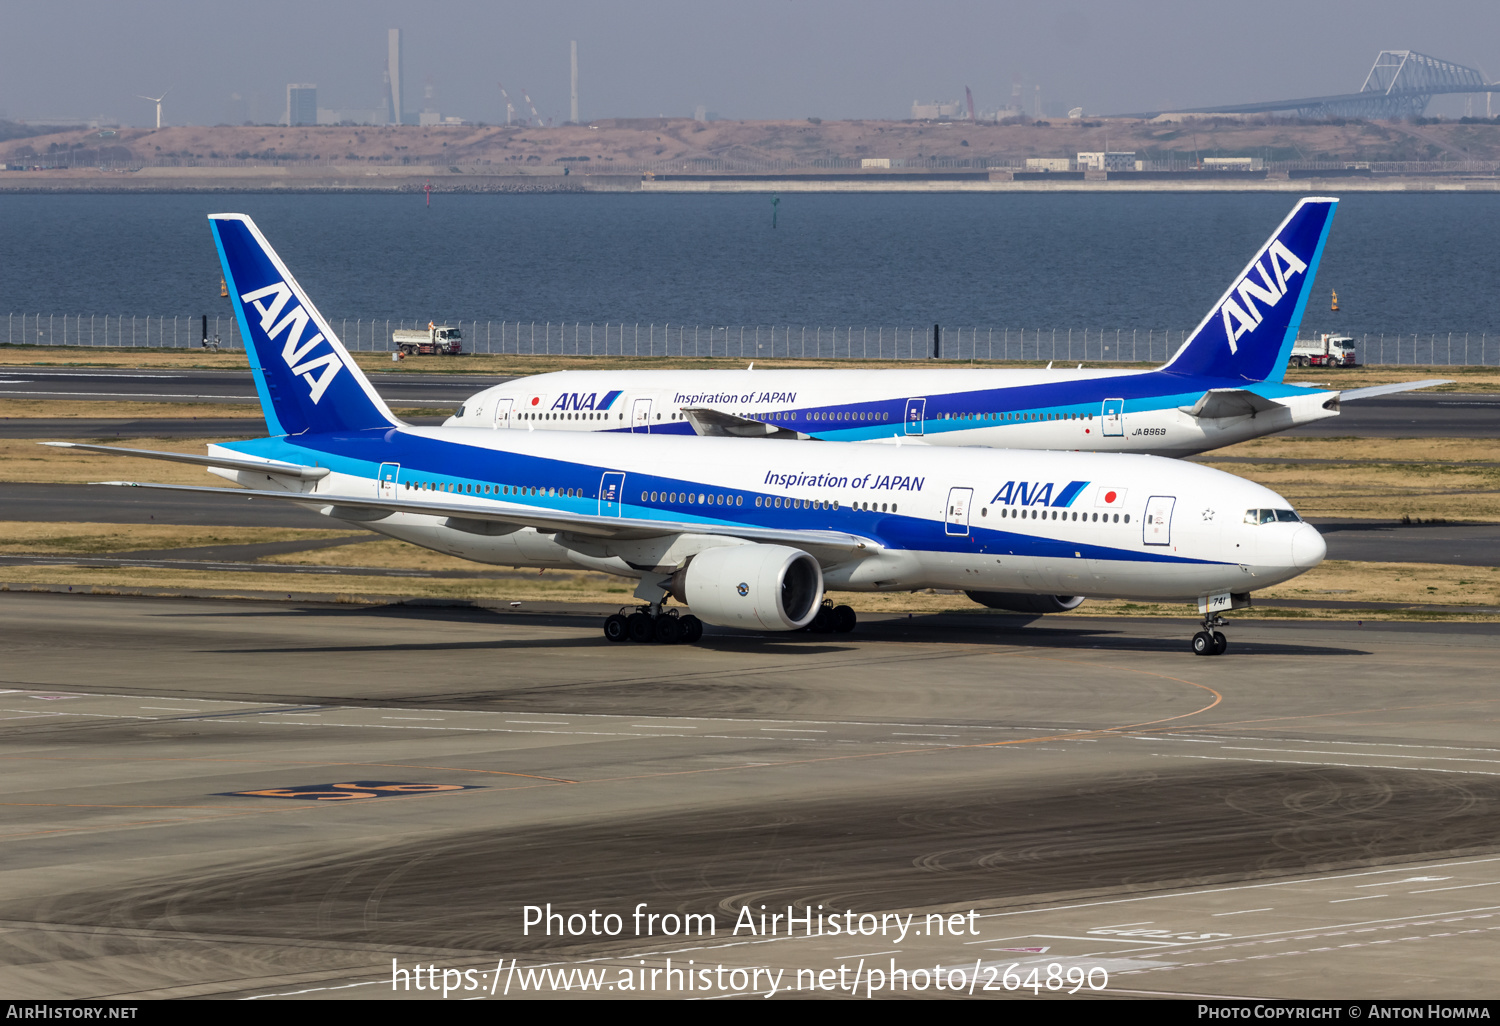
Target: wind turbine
[[156, 100]]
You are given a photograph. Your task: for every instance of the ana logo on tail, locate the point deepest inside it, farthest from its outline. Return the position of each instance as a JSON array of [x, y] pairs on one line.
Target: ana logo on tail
[[1269, 290], [294, 351]]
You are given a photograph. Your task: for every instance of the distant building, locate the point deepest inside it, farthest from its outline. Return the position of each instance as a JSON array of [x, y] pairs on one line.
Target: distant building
[[301, 104], [1234, 163], [875, 162], [395, 112], [67, 121], [931, 111], [1111, 161], [351, 115]]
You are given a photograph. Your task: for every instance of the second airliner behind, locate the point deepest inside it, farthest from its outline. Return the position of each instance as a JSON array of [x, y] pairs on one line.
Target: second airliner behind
[[1224, 385]]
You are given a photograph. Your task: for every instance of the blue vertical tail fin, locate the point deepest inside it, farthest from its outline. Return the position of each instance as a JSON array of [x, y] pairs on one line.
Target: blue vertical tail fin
[[307, 381], [1248, 334]]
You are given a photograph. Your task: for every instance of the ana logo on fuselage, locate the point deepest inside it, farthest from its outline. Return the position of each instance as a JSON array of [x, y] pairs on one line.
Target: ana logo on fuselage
[[294, 351], [1269, 290], [580, 401], [1038, 493]]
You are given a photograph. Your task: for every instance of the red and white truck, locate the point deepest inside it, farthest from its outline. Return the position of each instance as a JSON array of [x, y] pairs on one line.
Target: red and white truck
[[1323, 351]]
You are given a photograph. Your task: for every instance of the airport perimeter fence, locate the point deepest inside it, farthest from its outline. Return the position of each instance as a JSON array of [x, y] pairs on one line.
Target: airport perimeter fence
[[693, 341]]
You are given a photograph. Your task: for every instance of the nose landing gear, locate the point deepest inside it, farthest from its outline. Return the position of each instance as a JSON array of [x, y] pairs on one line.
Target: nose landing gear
[[1208, 641], [649, 624]]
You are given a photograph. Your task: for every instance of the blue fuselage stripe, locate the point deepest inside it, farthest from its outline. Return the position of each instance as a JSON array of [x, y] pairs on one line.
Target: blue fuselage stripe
[[432, 464]]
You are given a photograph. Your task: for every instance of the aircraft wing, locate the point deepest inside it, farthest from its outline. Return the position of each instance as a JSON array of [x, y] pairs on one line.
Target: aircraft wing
[[1230, 402], [834, 546], [706, 421], [272, 467], [1402, 386]]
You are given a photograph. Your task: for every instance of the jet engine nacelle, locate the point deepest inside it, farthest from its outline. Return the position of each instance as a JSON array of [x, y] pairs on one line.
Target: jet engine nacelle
[[1021, 602], [755, 587]]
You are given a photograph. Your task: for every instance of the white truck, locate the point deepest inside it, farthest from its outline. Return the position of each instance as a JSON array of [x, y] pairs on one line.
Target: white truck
[[433, 340], [1323, 351]]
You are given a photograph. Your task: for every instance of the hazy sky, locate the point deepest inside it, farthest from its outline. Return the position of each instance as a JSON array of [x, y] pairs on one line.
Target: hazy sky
[[745, 59]]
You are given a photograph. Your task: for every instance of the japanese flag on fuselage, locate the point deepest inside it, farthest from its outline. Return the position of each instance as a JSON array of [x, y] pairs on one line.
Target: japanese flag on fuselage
[[1107, 496]]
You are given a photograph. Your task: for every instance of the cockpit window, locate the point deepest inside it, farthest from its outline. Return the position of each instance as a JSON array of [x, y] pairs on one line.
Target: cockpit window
[[1271, 516]]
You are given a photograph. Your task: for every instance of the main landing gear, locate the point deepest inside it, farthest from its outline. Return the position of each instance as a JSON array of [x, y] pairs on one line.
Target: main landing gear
[[832, 619], [647, 625], [1208, 641]]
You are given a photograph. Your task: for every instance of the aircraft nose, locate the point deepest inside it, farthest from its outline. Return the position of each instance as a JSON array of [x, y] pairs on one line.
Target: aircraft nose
[[1308, 547]]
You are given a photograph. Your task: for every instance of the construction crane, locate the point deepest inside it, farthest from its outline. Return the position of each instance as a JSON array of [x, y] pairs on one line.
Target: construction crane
[[510, 109], [536, 119]]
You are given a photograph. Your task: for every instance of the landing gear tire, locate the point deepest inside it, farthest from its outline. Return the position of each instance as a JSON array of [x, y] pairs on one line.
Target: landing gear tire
[[1203, 644], [822, 623], [843, 619], [642, 630], [668, 630], [643, 627], [1220, 643]]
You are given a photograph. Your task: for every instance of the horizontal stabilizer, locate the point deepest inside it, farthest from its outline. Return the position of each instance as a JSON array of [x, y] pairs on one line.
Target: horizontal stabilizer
[[716, 422], [1230, 402], [829, 546], [1402, 386], [258, 466]]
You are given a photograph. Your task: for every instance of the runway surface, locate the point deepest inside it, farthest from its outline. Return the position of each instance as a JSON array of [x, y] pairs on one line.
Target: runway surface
[[1310, 815], [210, 386], [1414, 415]]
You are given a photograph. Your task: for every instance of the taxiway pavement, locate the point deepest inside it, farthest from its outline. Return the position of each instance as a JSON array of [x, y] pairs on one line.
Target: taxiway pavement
[[1311, 815]]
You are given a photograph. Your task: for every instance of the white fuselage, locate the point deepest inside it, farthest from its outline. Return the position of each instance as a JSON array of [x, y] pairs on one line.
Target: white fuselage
[[1044, 523], [1107, 410]]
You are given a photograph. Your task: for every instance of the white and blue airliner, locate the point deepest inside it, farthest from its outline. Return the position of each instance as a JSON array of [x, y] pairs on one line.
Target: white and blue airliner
[[746, 533], [1224, 385]]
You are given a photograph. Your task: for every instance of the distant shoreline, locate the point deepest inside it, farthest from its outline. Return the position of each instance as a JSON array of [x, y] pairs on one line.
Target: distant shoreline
[[441, 180]]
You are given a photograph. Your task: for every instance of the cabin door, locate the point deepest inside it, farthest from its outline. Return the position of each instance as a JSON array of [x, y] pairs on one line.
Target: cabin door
[[916, 413], [1157, 526], [611, 493], [390, 474], [1114, 418], [959, 501], [640, 416]]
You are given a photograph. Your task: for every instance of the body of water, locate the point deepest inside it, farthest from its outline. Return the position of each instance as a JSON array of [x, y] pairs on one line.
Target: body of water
[[1150, 261]]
